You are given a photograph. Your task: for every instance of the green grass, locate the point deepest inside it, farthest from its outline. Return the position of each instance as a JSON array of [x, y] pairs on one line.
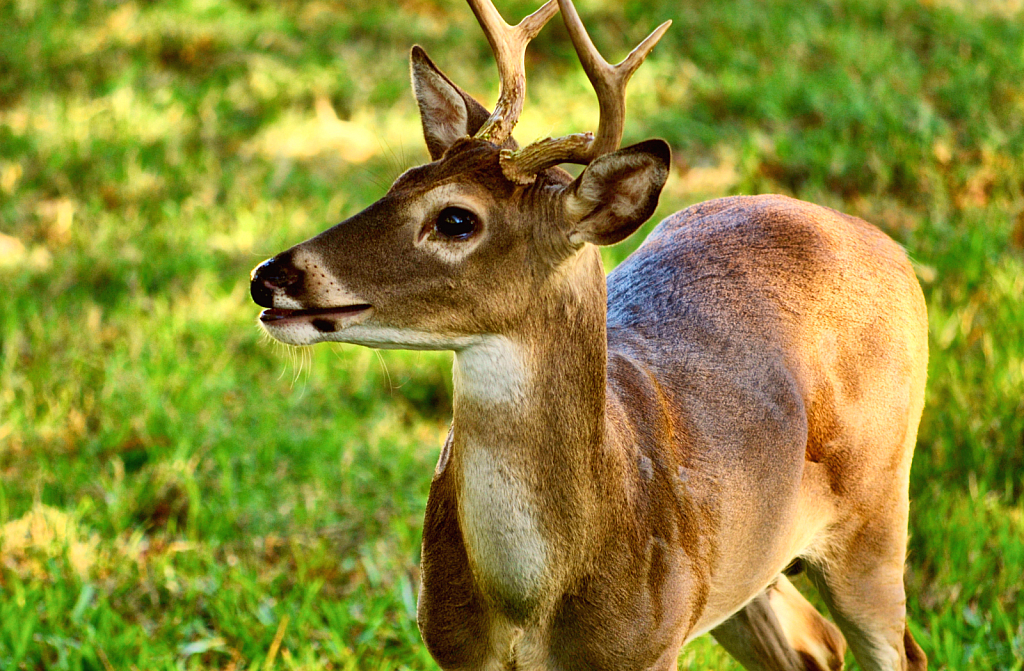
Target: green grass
[[177, 492]]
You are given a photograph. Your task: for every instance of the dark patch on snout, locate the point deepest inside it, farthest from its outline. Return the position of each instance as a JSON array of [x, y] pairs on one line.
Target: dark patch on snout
[[276, 274], [324, 325]]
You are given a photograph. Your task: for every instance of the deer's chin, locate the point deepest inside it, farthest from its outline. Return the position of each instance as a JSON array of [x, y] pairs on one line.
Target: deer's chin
[[306, 327]]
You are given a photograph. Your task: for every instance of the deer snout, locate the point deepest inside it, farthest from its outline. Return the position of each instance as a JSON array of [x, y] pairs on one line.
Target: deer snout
[[274, 276]]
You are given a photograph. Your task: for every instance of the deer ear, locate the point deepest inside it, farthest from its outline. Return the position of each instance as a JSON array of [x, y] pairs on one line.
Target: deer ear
[[617, 193], [447, 112]]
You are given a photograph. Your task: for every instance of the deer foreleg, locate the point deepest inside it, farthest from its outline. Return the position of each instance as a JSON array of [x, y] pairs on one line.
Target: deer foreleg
[[780, 631]]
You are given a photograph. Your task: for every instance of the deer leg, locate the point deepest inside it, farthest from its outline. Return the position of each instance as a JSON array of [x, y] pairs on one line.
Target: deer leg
[[862, 583], [780, 631]]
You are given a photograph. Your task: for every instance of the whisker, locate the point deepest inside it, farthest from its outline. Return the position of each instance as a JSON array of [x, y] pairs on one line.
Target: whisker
[[387, 373]]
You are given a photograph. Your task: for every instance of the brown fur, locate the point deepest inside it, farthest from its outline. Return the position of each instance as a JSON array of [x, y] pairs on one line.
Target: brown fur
[[635, 461]]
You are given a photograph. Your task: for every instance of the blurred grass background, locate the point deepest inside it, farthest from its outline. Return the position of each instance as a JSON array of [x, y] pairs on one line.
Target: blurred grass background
[[178, 493]]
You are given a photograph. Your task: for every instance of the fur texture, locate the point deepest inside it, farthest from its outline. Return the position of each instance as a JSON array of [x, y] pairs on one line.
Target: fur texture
[[635, 461]]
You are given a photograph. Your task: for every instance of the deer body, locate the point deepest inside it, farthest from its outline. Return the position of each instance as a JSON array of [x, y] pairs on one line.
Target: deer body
[[744, 340], [633, 461]]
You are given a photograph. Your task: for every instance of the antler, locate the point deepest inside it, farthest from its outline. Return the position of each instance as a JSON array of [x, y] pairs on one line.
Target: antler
[[609, 83], [509, 46]]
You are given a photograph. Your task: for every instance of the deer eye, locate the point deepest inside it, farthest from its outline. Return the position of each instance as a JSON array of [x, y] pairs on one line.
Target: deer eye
[[456, 223]]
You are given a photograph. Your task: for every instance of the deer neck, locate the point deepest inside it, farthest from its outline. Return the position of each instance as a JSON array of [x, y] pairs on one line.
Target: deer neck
[[529, 413]]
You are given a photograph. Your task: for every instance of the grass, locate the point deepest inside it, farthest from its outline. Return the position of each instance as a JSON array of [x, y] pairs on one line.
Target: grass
[[175, 492]]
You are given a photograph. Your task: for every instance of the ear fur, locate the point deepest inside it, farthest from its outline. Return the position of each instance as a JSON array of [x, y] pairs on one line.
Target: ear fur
[[447, 112], [617, 193]]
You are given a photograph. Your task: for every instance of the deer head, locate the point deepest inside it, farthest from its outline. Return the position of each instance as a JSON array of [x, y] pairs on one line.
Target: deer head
[[481, 238]]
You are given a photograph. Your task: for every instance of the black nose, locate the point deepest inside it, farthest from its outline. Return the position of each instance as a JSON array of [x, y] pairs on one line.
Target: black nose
[[274, 274]]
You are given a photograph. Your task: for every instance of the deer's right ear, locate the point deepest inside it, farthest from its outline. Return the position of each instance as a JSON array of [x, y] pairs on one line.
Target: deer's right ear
[[617, 193], [447, 112]]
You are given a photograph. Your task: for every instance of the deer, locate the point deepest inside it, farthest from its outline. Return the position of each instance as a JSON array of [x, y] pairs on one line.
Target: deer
[[640, 458]]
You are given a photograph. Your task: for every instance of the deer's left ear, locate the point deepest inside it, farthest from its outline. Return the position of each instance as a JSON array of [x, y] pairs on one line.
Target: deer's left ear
[[617, 193], [447, 112]]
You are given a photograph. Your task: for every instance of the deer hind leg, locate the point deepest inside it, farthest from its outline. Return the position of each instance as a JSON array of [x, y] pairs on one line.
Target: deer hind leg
[[780, 631], [862, 583]]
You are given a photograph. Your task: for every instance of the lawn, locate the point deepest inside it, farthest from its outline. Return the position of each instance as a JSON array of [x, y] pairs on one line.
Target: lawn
[[178, 492]]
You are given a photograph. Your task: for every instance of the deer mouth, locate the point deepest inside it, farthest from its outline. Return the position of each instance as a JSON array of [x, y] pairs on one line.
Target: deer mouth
[[325, 320]]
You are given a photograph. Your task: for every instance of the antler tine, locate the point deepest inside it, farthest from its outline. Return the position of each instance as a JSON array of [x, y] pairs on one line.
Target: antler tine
[[609, 83], [509, 46], [609, 80]]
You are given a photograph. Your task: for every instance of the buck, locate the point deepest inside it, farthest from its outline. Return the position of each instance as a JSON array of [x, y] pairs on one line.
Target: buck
[[634, 460]]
